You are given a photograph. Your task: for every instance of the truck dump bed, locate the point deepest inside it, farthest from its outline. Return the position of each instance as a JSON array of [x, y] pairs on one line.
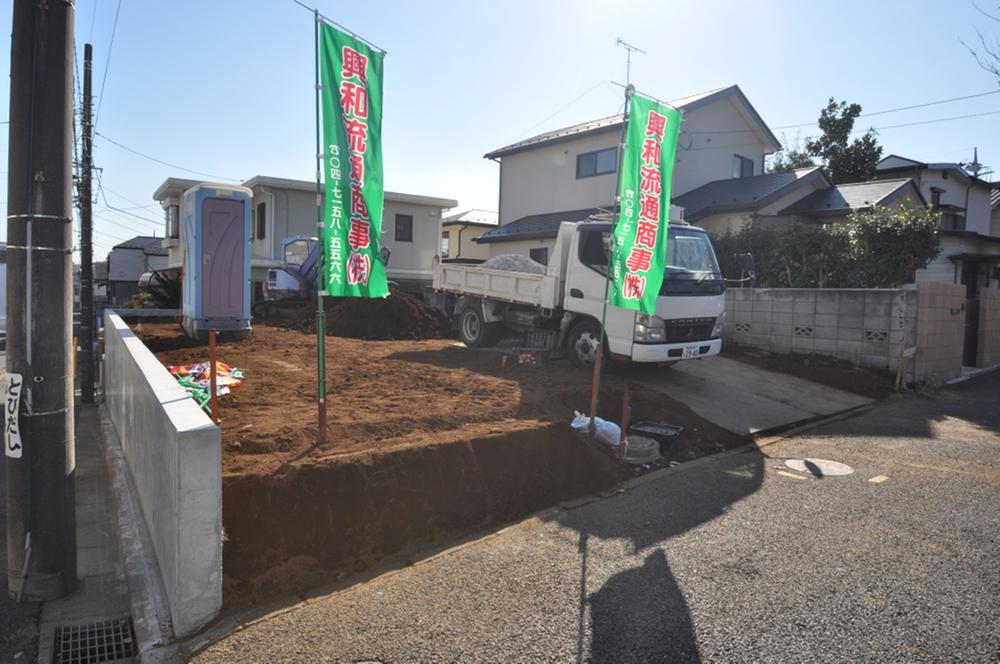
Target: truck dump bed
[[539, 290]]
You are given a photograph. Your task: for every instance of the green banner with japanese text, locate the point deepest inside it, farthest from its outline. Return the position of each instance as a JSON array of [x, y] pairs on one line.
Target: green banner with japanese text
[[647, 168], [351, 77]]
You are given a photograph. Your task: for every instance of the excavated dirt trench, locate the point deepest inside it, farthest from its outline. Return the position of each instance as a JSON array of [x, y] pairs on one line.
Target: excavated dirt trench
[[427, 442]]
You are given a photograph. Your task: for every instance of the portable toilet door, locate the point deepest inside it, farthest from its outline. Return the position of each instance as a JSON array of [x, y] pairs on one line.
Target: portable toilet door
[[223, 252]]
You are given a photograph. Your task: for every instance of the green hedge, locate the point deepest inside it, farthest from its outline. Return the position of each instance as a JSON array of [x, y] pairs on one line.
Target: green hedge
[[878, 248]]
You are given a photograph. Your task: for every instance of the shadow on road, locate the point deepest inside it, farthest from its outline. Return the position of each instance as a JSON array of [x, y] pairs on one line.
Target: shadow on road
[[640, 614]]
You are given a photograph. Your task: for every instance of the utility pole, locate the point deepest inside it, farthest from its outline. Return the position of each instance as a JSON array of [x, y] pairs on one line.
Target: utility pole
[[39, 444], [86, 357]]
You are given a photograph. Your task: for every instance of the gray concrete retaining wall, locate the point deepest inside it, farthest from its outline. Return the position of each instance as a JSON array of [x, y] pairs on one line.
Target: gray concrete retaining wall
[[869, 327], [174, 454]]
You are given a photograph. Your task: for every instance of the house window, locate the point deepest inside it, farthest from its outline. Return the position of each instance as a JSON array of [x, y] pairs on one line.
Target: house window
[[261, 224], [540, 255], [953, 222], [600, 162], [444, 245], [936, 196], [404, 228], [742, 166], [172, 214]]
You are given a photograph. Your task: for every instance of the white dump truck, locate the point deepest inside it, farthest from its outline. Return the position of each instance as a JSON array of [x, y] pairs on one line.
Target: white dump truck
[[559, 307]]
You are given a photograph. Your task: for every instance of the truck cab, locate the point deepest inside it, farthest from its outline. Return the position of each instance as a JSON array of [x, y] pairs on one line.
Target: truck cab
[[690, 309]]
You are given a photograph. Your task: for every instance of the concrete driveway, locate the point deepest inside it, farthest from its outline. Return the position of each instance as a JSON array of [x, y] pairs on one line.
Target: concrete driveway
[[746, 399]]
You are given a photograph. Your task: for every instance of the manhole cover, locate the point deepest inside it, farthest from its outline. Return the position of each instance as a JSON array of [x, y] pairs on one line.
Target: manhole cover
[[96, 643], [642, 450], [819, 467]]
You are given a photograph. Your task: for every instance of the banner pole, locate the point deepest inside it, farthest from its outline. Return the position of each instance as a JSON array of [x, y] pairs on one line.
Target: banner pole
[[320, 267], [596, 382]]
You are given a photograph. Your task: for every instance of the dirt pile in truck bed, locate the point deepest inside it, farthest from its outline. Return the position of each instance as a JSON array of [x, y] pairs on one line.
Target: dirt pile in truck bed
[[399, 316]]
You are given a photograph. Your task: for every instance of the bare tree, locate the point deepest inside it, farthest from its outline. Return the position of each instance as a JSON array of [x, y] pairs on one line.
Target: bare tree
[[987, 52]]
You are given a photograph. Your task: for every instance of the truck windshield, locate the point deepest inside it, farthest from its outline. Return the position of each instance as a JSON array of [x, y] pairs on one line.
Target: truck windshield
[[691, 265], [690, 256]]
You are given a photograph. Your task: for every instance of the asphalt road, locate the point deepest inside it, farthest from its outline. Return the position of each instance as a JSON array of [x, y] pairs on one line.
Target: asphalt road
[[726, 559]]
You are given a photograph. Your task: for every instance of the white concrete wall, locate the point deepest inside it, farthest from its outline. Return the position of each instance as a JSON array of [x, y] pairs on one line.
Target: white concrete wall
[[174, 453], [544, 179]]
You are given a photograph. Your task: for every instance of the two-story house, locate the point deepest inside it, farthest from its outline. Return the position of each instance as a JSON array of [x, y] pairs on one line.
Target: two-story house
[[970, 246], [284, 208], [571, 173], [128, 261]]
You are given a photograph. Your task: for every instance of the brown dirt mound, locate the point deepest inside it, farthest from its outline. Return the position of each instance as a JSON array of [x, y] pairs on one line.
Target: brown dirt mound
[[397, 317]]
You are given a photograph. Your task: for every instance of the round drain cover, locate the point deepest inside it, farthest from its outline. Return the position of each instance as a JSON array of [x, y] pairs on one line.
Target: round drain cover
[[819, 467], [642, 450]]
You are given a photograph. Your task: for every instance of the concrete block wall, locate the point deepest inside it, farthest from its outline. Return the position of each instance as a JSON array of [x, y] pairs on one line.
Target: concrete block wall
[[174, 453], [940, 331], [989, 328], [865, 326]]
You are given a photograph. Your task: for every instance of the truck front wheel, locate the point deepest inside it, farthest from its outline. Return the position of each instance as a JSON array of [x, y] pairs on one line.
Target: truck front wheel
[[474, 331], [582, 342]]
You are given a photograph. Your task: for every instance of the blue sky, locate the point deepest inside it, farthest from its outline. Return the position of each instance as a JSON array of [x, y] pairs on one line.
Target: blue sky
[[226, 87]]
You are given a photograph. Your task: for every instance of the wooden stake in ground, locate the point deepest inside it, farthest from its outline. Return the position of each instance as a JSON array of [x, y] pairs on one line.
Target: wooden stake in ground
[[213, 376], [594, 387], [621, 441]]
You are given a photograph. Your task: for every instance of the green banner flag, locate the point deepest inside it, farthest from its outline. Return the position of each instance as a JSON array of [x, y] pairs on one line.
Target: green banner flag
[[647, 168], [351, 74]]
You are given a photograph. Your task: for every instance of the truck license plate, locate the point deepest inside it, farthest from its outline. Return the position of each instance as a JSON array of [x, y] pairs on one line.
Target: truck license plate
[[689, 352]]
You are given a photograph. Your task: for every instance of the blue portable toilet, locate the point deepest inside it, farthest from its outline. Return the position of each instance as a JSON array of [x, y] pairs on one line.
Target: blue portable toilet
[[216, 235]]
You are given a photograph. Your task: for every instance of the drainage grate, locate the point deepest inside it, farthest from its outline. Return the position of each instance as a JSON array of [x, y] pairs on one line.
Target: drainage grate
[[95, 643]]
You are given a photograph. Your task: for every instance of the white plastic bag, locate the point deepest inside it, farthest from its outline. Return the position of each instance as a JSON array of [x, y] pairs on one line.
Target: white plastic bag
[[607, 432]]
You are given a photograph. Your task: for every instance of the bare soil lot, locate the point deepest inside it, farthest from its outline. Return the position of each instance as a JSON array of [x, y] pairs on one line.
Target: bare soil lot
[[427, 442]]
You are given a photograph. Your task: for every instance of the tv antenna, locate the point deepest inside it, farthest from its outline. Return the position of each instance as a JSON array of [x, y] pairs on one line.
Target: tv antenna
[[628, 61]]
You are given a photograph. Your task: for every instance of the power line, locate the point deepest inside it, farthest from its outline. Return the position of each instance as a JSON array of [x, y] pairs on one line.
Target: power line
[[93, 14], [104, 197], [573, 101], [863, 115], [107, 64], [160, 161], [141, 231], [956, 117], [129, 200], [859, 131]]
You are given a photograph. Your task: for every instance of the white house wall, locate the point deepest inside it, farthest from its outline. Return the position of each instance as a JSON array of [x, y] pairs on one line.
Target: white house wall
[[468, 249], [412, 260], [709, 141], [126, 264], [953, 192], [544, 179]]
